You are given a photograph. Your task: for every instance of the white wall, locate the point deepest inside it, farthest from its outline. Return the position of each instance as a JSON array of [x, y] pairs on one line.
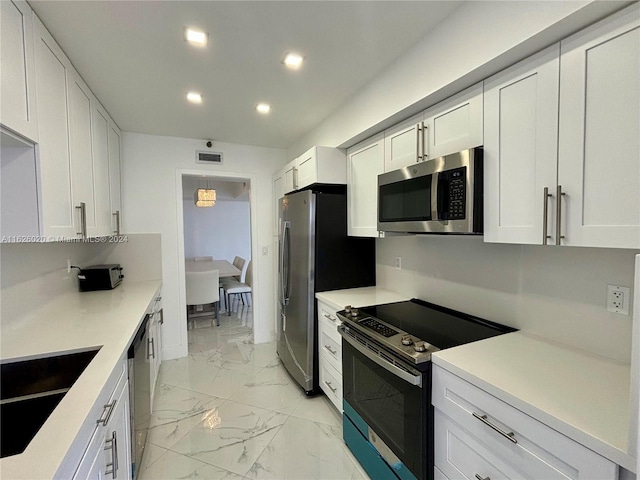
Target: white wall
[[222, 231], [556, 292], [34, 274], [151, 180], [475, 41]]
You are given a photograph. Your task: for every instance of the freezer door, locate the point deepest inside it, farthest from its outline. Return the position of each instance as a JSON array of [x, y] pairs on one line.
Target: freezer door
[[296, 345]]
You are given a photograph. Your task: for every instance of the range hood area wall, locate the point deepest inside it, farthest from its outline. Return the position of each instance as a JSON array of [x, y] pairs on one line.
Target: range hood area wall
[[556, 293]]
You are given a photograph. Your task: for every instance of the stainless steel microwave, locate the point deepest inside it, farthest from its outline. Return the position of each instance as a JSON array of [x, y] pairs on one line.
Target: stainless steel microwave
[[442, 195]]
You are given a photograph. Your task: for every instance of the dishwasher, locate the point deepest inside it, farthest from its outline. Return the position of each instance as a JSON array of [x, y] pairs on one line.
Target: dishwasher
[[139, 394]]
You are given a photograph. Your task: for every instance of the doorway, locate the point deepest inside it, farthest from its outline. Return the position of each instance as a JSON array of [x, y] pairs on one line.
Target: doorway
[[219, 231]]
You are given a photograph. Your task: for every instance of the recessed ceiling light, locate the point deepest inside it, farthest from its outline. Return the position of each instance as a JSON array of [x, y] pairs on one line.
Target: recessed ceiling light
[[194, 97], [196, 37], [293, 60], [263, 108]]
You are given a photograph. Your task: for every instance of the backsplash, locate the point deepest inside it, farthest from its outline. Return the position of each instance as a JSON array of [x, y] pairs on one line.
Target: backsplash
[[35, 273], [555, 292]]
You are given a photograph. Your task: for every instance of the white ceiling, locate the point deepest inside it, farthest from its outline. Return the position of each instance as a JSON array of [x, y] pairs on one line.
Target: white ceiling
[[134, 57]]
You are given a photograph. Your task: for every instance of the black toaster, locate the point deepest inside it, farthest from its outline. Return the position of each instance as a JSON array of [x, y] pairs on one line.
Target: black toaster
[[100, 277]]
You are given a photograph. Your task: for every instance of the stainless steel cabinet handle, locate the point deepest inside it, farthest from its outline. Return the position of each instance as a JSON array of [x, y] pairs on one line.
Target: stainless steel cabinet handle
[[508, 435], [326, 315], [152, 348], [114, 455], [328, 384], [116, 214], [559, 195], [418, 135], [424, 136], [482, 478], [331, 350], [83, 220], [108, 410], [545, 216]]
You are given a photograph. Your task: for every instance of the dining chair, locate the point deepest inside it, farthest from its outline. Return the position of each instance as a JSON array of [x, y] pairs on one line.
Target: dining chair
[[239, 288], [203, 259], [239, 262], [202, 289]]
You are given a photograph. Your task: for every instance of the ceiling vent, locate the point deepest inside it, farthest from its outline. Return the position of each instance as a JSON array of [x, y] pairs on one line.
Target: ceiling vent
[[210, 158]]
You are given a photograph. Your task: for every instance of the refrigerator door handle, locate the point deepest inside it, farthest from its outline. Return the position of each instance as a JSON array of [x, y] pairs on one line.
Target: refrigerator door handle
[[285, 271]]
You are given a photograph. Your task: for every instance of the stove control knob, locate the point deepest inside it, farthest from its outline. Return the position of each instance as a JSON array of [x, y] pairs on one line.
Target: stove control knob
[[354, 312], [406, 340], [347, 309], [420, 347]]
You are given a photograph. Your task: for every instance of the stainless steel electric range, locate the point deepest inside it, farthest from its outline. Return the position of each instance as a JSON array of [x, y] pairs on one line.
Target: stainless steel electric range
[[386, 363]]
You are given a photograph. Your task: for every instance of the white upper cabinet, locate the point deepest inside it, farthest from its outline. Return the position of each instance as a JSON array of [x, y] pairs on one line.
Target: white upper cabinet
[[365, 162], [115, 147], [17, 88], [53, 128], [404, 144], [599, 139], [579, 141], [102, 194], [454, 124], [316, 165], [520, 148], [278, 193]]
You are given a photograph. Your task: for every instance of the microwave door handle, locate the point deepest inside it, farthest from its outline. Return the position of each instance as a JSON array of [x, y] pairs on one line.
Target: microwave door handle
[[442, 194], [435, 196]]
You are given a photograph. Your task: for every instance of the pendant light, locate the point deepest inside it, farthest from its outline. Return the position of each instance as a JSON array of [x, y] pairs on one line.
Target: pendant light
[[205, 197]]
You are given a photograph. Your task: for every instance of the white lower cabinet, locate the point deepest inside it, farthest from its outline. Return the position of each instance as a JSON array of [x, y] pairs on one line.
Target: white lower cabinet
[[108, 454], [330, 354], [154, 352], [477, 435]]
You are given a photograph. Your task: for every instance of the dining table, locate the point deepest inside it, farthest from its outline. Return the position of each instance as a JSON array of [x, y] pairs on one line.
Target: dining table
[[224, 267]]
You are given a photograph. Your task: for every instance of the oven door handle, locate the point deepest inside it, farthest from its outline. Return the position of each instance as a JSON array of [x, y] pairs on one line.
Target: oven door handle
[[414, 377]]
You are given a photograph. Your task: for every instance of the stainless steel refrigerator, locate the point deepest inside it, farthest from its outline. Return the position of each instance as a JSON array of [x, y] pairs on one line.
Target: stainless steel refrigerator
[[315, 255]]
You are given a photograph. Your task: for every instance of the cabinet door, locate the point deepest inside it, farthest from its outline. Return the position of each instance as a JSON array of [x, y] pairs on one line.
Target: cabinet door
[[92, 465], [599, 139], [403, 144], [114, 178], [17, 74], [520, 149], [53, 123], [278, 193], [455, 124], [100, 136], [290, 181], [307, 165], [118, 439], [365, 162], [82, 172]]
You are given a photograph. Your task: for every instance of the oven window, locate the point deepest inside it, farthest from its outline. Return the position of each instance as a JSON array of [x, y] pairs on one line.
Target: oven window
[[393, 408], [408, 200]]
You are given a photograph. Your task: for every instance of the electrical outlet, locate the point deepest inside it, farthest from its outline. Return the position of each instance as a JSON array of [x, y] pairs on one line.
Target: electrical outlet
[[618, 299], [398, 263], [265, 250]]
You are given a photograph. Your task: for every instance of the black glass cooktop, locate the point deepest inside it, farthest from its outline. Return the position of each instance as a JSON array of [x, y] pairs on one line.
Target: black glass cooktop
[[437, 325]]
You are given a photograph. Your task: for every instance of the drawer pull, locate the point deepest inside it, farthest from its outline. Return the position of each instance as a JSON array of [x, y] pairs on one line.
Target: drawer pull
[[108, 410], [326, 315], [328, 384], [483, 419], [481, 478], [331, 350]]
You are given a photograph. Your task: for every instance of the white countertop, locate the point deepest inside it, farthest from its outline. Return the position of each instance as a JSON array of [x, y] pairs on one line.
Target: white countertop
[[583, 396], [360, 297], [73, 322]]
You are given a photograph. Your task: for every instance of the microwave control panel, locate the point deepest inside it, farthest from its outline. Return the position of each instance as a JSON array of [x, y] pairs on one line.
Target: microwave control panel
[[457, 194]]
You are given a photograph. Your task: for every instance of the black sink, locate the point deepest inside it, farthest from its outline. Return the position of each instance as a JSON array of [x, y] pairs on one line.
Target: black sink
[[30, 390]]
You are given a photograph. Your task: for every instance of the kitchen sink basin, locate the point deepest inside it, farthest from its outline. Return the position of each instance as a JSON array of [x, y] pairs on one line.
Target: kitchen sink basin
[[30, 390]]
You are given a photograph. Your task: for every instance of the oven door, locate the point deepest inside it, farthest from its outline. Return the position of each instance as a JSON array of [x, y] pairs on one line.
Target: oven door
[[394, 404]]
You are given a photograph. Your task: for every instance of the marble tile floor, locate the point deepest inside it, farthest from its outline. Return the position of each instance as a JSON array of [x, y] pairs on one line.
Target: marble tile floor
[[229, 411]]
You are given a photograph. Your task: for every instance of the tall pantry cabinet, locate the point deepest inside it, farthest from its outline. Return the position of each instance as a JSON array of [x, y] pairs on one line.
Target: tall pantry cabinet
[[562, 142]]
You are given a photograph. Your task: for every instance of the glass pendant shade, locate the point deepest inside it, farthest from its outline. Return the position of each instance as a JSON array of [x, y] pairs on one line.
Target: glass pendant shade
[[205, 197]]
